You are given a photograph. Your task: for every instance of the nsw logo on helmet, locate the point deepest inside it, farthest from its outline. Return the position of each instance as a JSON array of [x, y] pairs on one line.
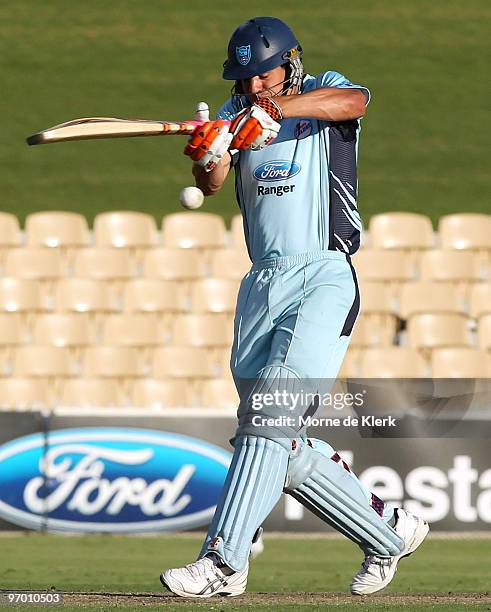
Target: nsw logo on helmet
[[243, 54]]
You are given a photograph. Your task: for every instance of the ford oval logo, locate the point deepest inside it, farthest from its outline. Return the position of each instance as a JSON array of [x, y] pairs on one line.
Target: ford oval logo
[[279, 170], [110, 480]]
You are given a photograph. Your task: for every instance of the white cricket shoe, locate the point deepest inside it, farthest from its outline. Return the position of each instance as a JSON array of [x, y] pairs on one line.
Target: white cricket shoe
[[376, 572], [257, 546], [204, 578]]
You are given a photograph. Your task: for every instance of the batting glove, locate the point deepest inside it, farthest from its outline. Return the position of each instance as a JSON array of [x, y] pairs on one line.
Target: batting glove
[[257, 126], [209, 142]]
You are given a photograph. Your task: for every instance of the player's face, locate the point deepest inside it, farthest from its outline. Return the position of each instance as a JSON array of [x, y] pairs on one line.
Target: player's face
[[266, 84]]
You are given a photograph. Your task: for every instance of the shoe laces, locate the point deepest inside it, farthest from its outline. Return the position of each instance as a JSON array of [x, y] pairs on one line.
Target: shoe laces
[[375, 560], [200, 567]]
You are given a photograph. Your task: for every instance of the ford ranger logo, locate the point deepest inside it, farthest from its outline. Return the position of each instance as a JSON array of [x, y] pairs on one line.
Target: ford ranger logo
[[279, 170], [110, 480]]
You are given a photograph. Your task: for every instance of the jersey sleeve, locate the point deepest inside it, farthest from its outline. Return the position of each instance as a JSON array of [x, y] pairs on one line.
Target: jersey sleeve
[[335, 79]]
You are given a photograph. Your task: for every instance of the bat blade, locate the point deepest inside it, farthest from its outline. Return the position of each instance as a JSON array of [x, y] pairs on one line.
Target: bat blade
[[110, 127]]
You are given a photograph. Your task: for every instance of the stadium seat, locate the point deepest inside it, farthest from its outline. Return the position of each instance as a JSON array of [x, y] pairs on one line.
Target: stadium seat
[[43, 361], [460, 363], [181, 362], [214, 295], [231, 264], [451, 266], [484, 332], [56, 229], [83, 295], [371, 330], [125, 229], [13, 330], [421, 297], [237, 231], [131, 329], [24, 393], [480, 300], [174, 264], [34, 263], [90, 393], [351, 366], [70, 330], [429, 331], [218, 393], [393, 362], [465, 231], [111, 362], [21, 295], [194, 230], [382, 266], [401, 230], [153, 393], [104, 264], [153, 295], [376, 298], [206, 330]]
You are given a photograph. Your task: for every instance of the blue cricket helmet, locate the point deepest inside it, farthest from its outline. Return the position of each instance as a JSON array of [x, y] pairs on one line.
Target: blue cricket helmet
[[259, 45]]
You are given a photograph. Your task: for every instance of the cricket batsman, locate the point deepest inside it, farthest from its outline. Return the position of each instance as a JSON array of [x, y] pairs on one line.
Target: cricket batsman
[[293, 145]]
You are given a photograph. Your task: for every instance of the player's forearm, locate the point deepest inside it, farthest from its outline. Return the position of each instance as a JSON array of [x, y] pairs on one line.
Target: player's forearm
[[211, 182], [327, 104]]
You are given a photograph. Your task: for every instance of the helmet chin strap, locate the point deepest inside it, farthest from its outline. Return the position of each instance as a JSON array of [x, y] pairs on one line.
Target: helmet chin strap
[[291, 85]]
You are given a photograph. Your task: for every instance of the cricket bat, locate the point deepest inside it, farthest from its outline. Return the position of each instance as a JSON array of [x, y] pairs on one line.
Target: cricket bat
[[111, 127]]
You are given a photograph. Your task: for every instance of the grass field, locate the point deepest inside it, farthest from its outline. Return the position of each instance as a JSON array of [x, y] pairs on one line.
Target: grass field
[[424, 146], [100, 572]]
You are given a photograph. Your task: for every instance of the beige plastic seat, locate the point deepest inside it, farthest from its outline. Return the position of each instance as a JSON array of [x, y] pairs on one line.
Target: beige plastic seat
[[154, 393], [83, 295], [232, 264], [383, 266], [34, 263], [376, 298], [24, 393], [214, 295], [219, 393], [188, 230], [134, 329], [56, 229], [174, 264], [421, 297], [429, 331], [13, 330], [237, 231], [401, 230], [21, 295], [43, 361], [153, 295], [480, 300], [206, 330], [393, 362], [371, 330], [465, 231], [128, 229], [484, 332], [104, 264], [451, 266], [460, 363], [181, 362], [351, 366], [71, 330], [90, 393], [111, 362], [10, 234]]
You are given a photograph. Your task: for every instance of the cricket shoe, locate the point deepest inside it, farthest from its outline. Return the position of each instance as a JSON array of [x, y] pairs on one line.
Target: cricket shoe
[[205, 578], [376, 572], [257, 546]]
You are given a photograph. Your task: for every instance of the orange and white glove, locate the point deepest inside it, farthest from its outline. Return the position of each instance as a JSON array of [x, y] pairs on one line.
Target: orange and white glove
[[257, 126], [210, 141]]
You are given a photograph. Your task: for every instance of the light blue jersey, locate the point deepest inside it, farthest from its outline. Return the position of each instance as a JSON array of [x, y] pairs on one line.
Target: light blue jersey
[[299, 193]]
